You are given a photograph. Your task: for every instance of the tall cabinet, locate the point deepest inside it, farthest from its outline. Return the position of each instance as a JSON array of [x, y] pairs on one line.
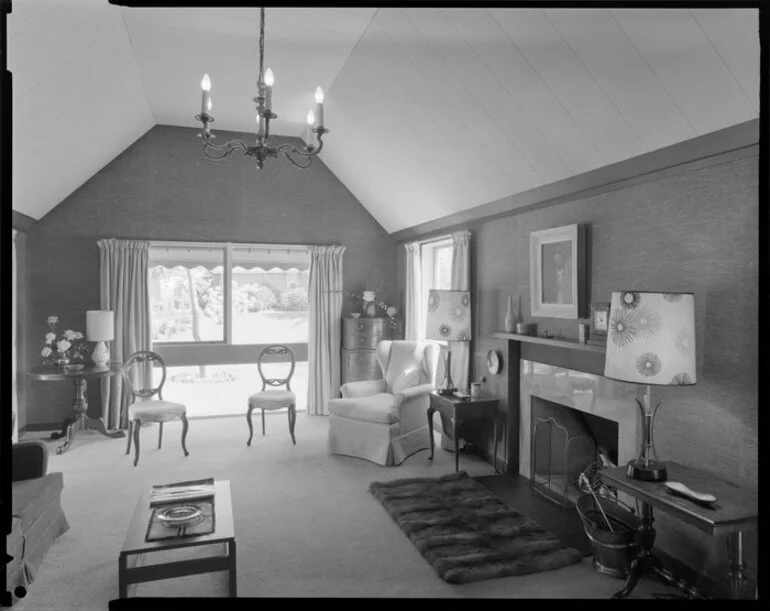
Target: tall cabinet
[[360, 337]]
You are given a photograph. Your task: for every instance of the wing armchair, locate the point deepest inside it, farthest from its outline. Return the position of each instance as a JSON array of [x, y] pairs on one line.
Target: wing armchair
[[385, 421]]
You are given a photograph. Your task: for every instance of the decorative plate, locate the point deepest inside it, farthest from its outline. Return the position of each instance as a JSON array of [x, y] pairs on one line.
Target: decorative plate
[[180, 515], [494, 361], [74, 367]]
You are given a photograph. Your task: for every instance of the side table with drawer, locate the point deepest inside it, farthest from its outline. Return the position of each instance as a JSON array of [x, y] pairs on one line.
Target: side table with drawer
[[360, 337]]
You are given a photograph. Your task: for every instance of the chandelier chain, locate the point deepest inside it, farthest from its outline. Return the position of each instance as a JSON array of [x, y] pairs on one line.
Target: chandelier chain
[[261, 44]]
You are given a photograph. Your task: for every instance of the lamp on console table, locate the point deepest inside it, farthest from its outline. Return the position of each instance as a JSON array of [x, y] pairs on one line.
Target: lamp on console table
[[100, 329], [651, 341], [448, 320]]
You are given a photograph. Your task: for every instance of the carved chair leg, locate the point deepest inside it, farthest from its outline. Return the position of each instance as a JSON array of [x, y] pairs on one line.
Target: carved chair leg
[[130, 432], [185, 426], [263, 422], [248, 421], [292, 420], [160, 435], [137, 426]]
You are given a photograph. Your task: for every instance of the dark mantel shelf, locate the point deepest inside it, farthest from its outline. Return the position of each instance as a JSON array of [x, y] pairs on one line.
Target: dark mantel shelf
[[558, 343]]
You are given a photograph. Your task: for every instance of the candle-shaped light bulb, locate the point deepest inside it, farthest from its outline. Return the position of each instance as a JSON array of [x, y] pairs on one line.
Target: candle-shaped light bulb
[[319, 109], [205, 97], [309, 136], [269, 79]]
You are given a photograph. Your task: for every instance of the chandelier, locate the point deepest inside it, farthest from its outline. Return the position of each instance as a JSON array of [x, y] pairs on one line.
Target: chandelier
[[261, 150]]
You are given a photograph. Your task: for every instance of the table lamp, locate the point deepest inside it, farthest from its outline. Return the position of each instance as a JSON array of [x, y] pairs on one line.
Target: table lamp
[[100, 329], [650, 341], [448, 320]]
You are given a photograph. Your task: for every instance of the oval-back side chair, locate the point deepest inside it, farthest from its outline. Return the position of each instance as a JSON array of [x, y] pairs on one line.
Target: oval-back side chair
[[274, 399], [138, 373]]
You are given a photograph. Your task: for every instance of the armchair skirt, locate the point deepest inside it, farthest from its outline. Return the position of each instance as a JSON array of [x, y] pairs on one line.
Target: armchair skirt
[[382, 442]]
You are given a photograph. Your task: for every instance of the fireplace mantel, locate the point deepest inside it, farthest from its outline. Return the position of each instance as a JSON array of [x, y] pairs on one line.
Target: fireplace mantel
[[569, 344]]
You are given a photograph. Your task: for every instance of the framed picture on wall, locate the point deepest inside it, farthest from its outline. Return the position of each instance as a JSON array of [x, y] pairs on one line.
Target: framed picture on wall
[[557, 272]]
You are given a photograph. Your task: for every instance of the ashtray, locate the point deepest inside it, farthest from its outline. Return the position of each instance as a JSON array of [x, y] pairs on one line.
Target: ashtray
[[180, 515], [75, 367], [356, 315]]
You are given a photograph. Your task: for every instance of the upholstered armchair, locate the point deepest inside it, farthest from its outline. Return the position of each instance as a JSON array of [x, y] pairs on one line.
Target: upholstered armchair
[[385, 421]]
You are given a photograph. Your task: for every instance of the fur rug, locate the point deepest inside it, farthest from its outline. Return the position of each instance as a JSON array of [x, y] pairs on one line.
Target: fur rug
[[466, 533]]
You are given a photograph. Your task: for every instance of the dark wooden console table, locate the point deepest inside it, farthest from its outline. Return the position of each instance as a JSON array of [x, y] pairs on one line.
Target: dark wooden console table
[[734, 512], [455, 411], [79, 417]]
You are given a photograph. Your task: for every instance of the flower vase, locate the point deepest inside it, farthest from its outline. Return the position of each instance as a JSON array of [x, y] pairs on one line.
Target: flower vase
[[61, 360], [370, 309], [509, 317]]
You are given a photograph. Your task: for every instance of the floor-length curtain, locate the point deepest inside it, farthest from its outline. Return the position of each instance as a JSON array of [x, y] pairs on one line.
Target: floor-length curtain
[[415, 327], [325, 327], [15, 296], [124, 290], [461, 281]]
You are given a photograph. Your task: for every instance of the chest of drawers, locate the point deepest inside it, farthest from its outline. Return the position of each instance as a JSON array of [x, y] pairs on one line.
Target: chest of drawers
[[360, 337]]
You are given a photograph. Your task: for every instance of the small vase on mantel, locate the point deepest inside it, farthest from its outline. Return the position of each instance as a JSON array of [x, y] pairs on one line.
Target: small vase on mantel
[[509, 317]]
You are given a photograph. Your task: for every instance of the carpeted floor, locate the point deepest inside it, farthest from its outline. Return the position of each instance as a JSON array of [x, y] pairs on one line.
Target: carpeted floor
[[305, 522], [466, 533]]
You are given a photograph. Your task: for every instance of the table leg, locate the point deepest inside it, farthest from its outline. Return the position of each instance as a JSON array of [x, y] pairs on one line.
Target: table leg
[[457, 444], [737, 575], [233, 573], [122, 581], [430, 431], [98, 425], [69, 428], [644, 560], [494, 457]]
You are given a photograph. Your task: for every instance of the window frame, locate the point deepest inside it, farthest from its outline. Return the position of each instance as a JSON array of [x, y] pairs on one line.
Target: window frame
[[221, 352]]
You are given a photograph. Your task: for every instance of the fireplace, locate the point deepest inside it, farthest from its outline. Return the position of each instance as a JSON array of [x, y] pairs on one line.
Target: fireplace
[[564, 442], [544, 389]]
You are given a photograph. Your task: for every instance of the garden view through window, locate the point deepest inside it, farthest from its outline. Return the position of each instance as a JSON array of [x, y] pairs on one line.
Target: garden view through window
[[214, 307]]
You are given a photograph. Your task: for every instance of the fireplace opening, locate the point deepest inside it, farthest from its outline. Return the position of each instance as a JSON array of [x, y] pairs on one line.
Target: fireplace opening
[[564, 441]]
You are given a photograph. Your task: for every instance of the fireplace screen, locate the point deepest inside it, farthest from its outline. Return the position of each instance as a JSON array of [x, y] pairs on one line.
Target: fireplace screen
[[558, 457]]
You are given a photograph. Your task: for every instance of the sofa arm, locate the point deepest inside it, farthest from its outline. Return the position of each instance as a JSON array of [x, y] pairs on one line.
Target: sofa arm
[[412, 392], [29, 460], [364, 388]]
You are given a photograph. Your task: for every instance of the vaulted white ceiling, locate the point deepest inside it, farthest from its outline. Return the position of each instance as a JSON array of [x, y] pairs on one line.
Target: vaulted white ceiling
[[432, 111]]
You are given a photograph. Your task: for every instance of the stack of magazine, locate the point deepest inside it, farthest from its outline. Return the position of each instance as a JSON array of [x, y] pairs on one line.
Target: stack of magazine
[[182, 492]]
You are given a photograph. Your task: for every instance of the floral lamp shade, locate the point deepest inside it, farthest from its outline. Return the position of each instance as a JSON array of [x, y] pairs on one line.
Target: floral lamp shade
[[449, 316], [651, 338]]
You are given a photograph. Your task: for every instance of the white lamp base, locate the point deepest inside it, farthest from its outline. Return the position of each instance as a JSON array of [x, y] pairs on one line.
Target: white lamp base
[[101, 355]]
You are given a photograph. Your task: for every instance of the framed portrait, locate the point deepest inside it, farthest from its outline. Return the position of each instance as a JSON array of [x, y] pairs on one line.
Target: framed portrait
[[557, 271]]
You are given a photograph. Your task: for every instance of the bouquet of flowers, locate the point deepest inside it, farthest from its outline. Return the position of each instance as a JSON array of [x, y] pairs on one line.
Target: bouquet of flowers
[[70, 345], [370, 303]]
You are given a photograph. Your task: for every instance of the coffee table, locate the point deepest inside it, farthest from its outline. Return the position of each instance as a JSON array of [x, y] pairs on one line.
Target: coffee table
[[132, 568]]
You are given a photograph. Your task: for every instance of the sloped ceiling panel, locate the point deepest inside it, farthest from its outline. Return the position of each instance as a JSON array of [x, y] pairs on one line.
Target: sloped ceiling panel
[[78, 98], [304, 48], [432, 111], [438, 111]]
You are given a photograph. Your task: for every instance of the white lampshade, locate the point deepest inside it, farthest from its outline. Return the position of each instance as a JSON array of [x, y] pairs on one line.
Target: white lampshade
[[651, 338], [99, 326], [449, 316]]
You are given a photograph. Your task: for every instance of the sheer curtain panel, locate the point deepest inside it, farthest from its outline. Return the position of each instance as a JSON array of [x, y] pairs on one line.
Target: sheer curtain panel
[[324, 327], [124, 289], [415, 329], [461, 281]]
